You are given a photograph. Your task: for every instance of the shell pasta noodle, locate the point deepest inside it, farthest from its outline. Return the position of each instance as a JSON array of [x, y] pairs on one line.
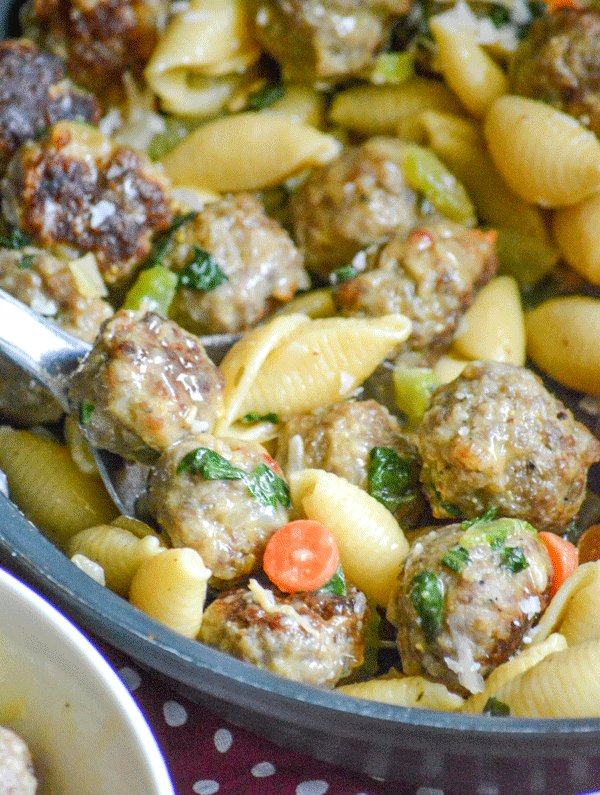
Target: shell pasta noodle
[[405, 691], [575, 230], [171, 587], [545, 156], [371, 543], [49, 487], [215, 155]]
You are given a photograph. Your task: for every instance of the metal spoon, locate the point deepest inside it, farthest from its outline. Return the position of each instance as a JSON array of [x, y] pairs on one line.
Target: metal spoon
[[50, 354]]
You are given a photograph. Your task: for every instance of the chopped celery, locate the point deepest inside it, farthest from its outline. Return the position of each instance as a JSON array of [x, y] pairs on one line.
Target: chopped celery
[[413, 386], [427, 174], [393, 67], [153, 290]]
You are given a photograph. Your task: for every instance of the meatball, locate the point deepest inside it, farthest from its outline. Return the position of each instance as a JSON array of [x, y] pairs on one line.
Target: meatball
[[315, 638], [263, 267], [225, 500], [145, 384], [465, 598], [496, 438], [100, 40], [358, 199], [322, 42], [558, 62], [430, 275], [17, 776], [35, 94], [49, 286], [340, 439], [76, 188]]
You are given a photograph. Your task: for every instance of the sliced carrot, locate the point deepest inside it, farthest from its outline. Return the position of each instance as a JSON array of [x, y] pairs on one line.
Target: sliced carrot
[[564, 557], [589, 544], [301, 556], [557, 5]]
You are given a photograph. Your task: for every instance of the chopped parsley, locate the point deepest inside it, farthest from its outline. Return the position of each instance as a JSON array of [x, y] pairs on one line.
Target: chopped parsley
[[392, 480], [254, 416], [487, 517], [265, 96], [86, 410], [263, 483], [513, 559], [203, 272], [456, 558], [337, 584], [17, 239], [27, 261], [496, 708], [164, 240], [426, 592], [344, 274]]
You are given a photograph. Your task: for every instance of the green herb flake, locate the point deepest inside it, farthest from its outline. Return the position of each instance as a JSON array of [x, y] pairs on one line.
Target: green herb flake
[[456, 558], [203, 272], [392, 480], [85, 412], [263, 483], [337, 584], [344, 274], [496, 708], [27, 261], [17, 239], [426, 592], [164, 240], [254, 416], [265, 96], [499, 15], [513, 559], [488, 516]]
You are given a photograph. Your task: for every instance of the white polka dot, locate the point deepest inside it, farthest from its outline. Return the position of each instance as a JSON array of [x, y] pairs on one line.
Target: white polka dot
[[314, 787], [223, 740], [131, 677], [175, 714], [263, 769], [205, 787]]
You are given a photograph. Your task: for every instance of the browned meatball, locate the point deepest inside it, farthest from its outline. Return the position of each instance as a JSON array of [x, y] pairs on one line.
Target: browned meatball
[[100, 40], [34, 95], [559, 62], [17, 775], [358, 199], [341, 439], [466, 597], [226, 502], [262, 265], [316, 40], [430, 275], [145, 384], [496, 438], [75, 187], [315, 638]]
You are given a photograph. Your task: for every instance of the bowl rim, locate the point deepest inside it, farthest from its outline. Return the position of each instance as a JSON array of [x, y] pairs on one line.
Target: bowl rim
[[88, 657]]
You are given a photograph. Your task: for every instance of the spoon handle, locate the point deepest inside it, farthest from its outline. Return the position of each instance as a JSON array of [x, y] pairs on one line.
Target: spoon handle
[[39, 346]]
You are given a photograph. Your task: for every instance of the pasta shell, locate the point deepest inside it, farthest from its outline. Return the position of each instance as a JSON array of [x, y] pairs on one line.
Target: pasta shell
[[49, 487], [493, 328], [471, 73], [563, 685], [317, 363], [248, 151], [371, 543], [517, 665], [563, 339], [405, 691], [576, 233], [545, 156], [171, 587]]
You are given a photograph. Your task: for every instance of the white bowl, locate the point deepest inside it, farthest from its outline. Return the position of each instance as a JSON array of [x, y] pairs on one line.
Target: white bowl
[[83, 727]]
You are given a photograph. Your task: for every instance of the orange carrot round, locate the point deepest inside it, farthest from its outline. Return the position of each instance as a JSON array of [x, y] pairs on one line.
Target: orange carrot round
[[589, 544], [564, 557], [301, 556]]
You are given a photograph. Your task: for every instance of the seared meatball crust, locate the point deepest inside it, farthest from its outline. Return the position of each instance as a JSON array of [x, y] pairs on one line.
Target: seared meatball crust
[[496, 438], [35, 94], [360, 198], [340, 439], [488, 605], [323, 41], [558, 62], [313, 637], [101, 40], [431, 275], [262, 265], [220, 518], [145, 384], [17, 774], [76, 188]]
